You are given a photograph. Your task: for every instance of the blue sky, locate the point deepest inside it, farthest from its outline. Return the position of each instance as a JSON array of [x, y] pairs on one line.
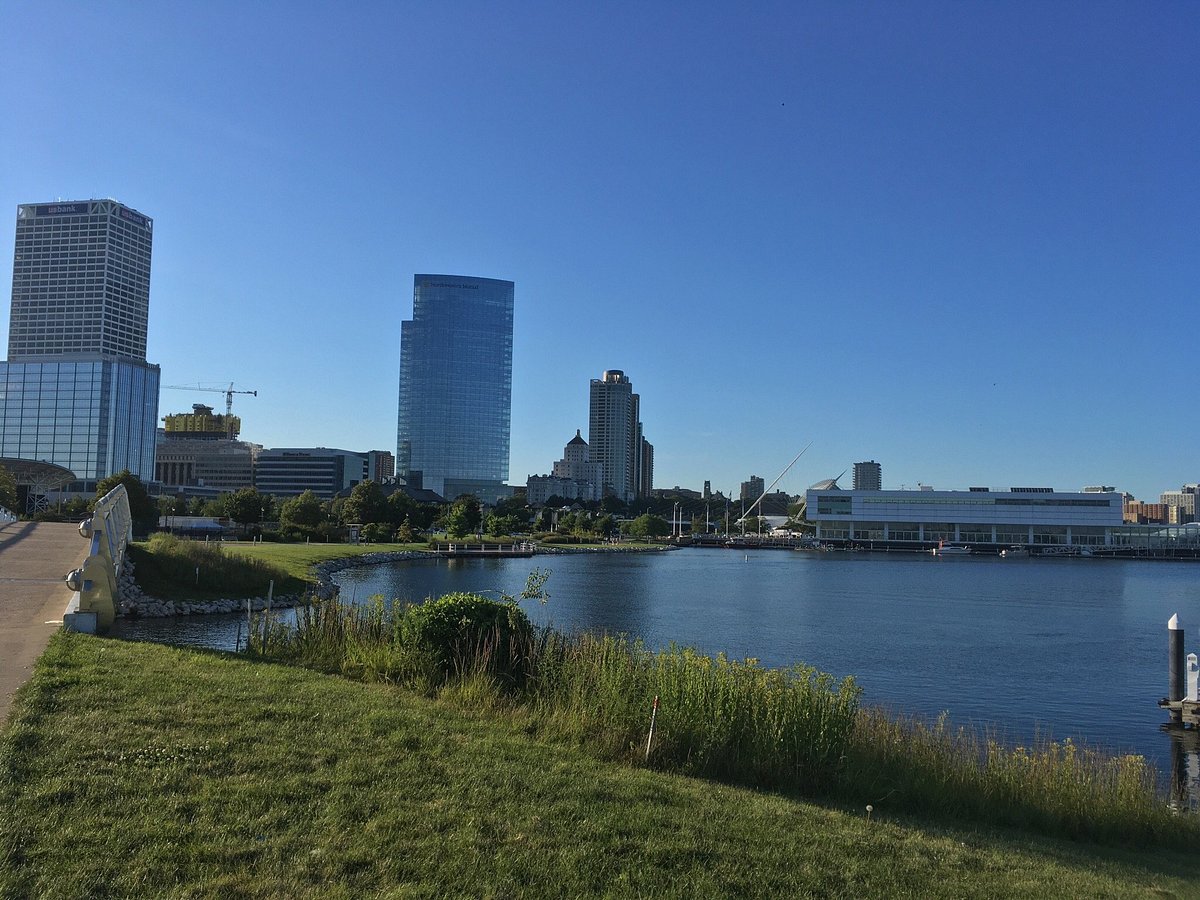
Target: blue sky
[[960, 239]]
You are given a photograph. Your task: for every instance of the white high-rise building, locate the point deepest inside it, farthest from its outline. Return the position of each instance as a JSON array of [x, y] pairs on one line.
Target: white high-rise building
[[615, 437], [76, 389]]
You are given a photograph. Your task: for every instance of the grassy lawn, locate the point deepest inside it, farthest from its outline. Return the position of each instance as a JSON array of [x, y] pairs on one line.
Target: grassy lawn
[[297, 560], [138, 770]]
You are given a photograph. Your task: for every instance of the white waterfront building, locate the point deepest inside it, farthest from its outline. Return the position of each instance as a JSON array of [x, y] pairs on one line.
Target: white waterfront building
[[1016, 516]]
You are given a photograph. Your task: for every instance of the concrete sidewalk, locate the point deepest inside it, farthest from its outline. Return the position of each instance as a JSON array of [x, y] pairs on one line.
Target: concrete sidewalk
[[34, 558]]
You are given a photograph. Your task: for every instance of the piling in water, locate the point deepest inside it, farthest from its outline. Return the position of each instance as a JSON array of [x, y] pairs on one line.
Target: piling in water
[[1175, 667]]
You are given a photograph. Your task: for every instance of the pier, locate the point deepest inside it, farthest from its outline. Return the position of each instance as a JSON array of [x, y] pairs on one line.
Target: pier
[[491, 551]]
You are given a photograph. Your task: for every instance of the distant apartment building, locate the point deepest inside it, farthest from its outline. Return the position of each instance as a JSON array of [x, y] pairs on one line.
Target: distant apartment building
[[1181, 504], [616, 438], [456, 386], [752, 489], [1138, 513], [381, 465], [868, 476], [76, 390]]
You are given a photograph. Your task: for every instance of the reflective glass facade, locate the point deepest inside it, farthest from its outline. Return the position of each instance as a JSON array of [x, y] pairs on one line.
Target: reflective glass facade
[[456, 385], [93, 415]]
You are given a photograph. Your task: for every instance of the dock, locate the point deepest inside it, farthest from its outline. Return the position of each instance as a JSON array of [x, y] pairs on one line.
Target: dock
[[489, 551], [1184, 713]]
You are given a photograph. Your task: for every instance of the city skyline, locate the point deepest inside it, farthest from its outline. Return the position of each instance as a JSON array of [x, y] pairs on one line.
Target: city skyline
[[954, 238]]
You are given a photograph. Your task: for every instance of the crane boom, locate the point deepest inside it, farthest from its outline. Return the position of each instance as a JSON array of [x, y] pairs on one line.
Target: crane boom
[[228, 392]]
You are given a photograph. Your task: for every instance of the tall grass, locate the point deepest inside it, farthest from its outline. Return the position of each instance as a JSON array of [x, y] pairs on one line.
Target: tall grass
[[167, 567], [717, 717], [793, 729], [1055, 786]]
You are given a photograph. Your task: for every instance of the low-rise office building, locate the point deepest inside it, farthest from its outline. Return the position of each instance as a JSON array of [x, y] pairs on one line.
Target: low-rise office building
[[980, 517], [290, 471]]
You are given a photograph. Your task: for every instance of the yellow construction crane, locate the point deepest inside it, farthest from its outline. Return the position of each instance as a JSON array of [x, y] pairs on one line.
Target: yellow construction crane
[[228, 392]]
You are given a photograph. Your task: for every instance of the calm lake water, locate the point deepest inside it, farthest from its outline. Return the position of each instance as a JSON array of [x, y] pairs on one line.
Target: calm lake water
[[1057, 647]]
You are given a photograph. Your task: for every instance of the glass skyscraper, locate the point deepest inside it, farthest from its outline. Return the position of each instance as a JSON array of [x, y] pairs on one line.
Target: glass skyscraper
[[456, 386], [76, 389]]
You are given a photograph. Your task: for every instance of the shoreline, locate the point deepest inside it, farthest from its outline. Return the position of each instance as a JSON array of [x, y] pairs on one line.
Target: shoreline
[[134, 603]]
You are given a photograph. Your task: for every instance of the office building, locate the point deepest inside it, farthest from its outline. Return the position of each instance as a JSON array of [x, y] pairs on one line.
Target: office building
[[456, 386], [198, 466], [76, 389], [868, 476], [290, 471], [615, 437]]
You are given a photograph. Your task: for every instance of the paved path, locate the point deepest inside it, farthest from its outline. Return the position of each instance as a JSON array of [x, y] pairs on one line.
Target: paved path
[[34, 557]]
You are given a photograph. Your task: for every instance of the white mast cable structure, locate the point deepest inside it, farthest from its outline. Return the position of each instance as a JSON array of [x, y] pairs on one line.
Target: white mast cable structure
[[778, 478]]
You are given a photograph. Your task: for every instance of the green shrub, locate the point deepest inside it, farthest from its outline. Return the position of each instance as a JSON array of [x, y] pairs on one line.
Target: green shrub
[[464, 632]]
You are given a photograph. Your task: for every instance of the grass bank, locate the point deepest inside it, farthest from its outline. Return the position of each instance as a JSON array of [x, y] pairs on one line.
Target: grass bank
[[139, 770], [172, 569], [794, 730]]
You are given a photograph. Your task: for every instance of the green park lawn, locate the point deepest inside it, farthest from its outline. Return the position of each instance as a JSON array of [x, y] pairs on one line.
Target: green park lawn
[[139, 770]]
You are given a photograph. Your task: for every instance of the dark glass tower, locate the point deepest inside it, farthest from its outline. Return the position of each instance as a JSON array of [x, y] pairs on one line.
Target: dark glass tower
[[456, 386]]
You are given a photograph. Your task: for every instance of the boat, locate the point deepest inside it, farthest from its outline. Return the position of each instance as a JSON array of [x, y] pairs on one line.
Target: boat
[[944, 549], [1018, 551]]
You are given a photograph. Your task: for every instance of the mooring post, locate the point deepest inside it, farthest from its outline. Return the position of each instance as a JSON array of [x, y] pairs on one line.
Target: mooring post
[[1175, 669], [1193, 678]]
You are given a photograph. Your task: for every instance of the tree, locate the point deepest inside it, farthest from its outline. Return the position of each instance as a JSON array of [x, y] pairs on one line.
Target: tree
[[142, 509], [399, 506], [464, 517], [501, 525], [245, 506], [366, 504], [304, 511], [612, 505], [648, 526], [8, 490]]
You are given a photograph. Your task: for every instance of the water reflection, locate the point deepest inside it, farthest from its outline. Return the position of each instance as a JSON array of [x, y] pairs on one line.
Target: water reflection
[[1185, 767]]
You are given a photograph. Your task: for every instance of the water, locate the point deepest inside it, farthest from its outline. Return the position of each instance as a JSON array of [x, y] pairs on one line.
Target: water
[[1056, 647]]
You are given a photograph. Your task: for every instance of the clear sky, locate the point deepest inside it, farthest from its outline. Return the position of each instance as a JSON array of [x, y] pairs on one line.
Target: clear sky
[[960, 239]]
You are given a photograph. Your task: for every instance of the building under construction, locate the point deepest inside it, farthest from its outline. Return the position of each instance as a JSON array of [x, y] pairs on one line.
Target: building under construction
[[201, 425]]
